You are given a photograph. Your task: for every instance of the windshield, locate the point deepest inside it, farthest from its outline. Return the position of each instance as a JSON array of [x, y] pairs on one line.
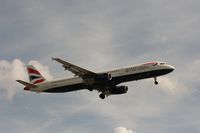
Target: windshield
[[150, 64]]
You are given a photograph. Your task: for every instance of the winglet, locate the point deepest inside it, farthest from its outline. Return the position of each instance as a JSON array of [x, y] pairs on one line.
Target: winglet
[[52, 58], [56, 59]]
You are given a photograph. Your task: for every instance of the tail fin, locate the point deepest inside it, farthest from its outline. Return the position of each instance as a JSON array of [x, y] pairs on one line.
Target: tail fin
[[34, 75]]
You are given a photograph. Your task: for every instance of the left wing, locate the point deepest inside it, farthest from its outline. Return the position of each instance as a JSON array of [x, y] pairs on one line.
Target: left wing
[[81, 72]]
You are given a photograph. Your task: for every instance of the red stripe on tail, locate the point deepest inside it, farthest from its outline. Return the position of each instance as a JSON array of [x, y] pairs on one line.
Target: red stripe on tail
[[38, 81], [30, 70]]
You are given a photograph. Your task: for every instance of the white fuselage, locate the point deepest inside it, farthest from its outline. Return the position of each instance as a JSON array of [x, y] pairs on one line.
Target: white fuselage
[[136, 72]]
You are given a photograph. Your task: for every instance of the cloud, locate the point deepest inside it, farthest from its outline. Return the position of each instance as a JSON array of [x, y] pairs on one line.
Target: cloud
[[172, 86], [9, 72], [123, 130], [193, 69], [16, 69]]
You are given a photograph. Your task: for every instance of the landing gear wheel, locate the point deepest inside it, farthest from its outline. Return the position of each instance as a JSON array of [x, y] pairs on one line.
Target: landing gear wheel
[[156, 82], [102, 96], [90, 89]]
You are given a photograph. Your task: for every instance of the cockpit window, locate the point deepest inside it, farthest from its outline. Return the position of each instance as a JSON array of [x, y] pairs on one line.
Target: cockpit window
[[162, 63], [150, 64]]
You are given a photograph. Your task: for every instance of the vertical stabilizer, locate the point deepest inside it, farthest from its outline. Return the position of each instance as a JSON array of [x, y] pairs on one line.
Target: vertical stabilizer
[[34, 75]]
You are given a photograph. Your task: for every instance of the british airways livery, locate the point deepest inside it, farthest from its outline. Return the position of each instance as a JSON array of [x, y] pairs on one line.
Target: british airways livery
[[107, 83]]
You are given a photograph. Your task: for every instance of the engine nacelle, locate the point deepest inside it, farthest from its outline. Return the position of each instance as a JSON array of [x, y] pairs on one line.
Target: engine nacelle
[[118, 90], [103, 77]]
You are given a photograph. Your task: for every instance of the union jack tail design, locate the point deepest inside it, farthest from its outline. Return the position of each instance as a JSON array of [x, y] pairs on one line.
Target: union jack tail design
[[34, 75]]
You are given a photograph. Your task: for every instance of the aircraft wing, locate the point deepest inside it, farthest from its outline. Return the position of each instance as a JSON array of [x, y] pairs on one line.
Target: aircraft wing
[[78, 71]]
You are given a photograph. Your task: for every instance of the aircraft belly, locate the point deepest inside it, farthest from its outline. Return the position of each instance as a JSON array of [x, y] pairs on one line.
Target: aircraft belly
[[68, 88]]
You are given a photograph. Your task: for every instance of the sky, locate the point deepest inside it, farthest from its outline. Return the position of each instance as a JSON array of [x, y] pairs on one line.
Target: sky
[[100, 35]]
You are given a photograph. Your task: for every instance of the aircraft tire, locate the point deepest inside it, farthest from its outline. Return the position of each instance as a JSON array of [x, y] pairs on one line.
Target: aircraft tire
[[102, 96], [90, 89]]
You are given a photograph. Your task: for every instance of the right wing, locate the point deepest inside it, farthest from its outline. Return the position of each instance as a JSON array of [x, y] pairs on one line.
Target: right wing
[[81, 72]]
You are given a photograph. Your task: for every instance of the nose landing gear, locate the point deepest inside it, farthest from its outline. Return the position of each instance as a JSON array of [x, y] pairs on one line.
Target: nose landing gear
[[155, 81]]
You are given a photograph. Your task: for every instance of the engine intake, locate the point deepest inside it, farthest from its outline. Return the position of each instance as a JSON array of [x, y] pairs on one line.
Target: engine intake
[[118, 90], [103, 77]]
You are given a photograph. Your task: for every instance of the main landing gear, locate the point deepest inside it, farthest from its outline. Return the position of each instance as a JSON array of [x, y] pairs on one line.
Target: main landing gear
[[90, 89], [155, 81]]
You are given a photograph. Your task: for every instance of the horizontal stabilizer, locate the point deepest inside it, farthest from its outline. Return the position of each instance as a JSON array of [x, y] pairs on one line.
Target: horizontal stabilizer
[[27, 84]]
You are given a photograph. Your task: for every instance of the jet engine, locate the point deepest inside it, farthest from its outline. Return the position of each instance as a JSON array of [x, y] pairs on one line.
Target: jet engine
[[118, 90], [114, 91], [103, 77]]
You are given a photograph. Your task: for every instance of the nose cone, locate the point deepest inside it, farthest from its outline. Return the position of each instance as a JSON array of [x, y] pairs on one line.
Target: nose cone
[[171, 68]]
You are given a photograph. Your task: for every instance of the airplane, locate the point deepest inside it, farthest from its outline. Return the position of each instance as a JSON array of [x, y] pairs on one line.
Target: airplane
[[107, 83]]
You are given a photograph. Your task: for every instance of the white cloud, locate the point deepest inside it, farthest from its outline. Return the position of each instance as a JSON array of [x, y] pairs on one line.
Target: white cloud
[[193, 69], [123, 130], [11, 71], [172, 86]]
